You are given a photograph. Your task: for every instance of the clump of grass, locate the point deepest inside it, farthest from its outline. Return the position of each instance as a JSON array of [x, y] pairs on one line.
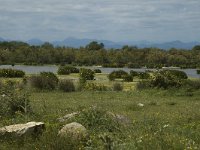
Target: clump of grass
[[46, 80], [117, 86], [12, 100], [171, 103], [66, 85]]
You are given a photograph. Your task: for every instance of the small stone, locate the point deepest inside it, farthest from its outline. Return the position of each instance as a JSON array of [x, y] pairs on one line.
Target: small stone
[[140, 105], [67, 117]]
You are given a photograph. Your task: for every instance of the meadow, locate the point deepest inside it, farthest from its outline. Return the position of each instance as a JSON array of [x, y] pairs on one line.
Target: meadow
[[167, 119]]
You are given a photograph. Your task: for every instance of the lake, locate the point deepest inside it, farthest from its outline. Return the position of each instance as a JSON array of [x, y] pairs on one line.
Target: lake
[[53, 68]]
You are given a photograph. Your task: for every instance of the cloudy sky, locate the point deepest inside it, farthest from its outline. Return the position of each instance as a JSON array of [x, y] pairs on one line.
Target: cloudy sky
[[117, 20]]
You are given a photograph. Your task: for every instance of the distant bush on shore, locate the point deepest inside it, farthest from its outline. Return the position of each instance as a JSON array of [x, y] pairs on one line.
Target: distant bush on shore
[[164, 79], [11, 73], [65, 70]]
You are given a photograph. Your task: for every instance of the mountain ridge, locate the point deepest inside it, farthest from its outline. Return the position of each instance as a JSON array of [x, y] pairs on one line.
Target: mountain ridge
[[76, 43]]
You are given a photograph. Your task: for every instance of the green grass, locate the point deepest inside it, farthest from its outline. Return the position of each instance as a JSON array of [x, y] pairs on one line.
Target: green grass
[[169, 119]]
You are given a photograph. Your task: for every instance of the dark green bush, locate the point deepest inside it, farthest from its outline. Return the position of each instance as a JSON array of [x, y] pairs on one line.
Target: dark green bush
[[97, 70], [117, 86], [86, 74], [46, 80], [165, 80], [133, 73], [143, 75], [198, 71], [11, 73], [65, 70], [177, 73], [128, 78], [12, 101], [66, 85], [119, 74]]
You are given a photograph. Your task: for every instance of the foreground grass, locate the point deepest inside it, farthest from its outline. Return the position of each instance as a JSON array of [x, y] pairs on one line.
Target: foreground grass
[[169, 119]]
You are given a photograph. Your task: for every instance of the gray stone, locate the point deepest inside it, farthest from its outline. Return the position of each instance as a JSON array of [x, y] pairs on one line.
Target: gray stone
[[74, 131], [120, 118], [67, 117], [23, 129]]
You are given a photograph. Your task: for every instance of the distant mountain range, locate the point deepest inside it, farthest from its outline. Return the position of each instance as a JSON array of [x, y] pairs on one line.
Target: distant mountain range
[[76, 43]]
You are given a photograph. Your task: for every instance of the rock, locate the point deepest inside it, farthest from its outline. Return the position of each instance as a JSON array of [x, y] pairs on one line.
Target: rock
[[22, 129], [67, 117], [74, 131], [120, 118], [140, 105]]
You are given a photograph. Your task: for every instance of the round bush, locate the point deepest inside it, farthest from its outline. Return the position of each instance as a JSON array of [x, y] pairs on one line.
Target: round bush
[[119, 74], [177, 73], [86, 74], [97, 70], [165, 80], [128, 78], [133, 73], [66, 85], [46, 80]]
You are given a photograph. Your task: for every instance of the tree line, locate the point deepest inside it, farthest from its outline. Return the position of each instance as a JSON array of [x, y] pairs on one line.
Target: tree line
[[96, 54]]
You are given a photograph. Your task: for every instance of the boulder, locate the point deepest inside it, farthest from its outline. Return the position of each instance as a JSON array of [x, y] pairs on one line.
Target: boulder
[[30, 128], [67, 117], [74, 131]]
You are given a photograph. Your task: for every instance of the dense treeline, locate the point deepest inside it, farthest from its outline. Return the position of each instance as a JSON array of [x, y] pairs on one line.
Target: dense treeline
[[95, 54]]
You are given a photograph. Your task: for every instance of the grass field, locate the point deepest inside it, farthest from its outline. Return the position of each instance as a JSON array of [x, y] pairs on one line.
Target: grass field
[[170, 119]]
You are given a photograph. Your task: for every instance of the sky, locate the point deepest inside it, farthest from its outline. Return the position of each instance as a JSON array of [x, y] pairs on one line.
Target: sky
[[116, 20]]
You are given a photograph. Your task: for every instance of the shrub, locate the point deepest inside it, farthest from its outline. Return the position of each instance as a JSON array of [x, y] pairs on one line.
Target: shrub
[[133, 73], [66, 85], [97, 70], [117, 87], [50, 75], [11, 73], [128, 78], [120, 74], [143, 75], [198, 71], [86, 74], [97, 119], [95, 87], [12, 101], [177, 73], [165, 80], [141, 85], [65, 70], [192, 84], [46, 80]]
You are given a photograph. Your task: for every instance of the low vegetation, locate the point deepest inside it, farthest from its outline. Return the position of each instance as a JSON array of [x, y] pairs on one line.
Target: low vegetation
[[65, 70], [115, 113], [11, 73]]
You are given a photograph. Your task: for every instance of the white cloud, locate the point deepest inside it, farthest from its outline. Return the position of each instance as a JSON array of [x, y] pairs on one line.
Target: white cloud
[[106, 19]]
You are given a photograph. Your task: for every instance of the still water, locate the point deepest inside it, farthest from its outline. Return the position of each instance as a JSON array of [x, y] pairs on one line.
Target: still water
[[53, 68]]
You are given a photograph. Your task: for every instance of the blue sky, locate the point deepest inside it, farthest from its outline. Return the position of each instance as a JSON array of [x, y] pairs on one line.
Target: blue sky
[[116, 20]]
